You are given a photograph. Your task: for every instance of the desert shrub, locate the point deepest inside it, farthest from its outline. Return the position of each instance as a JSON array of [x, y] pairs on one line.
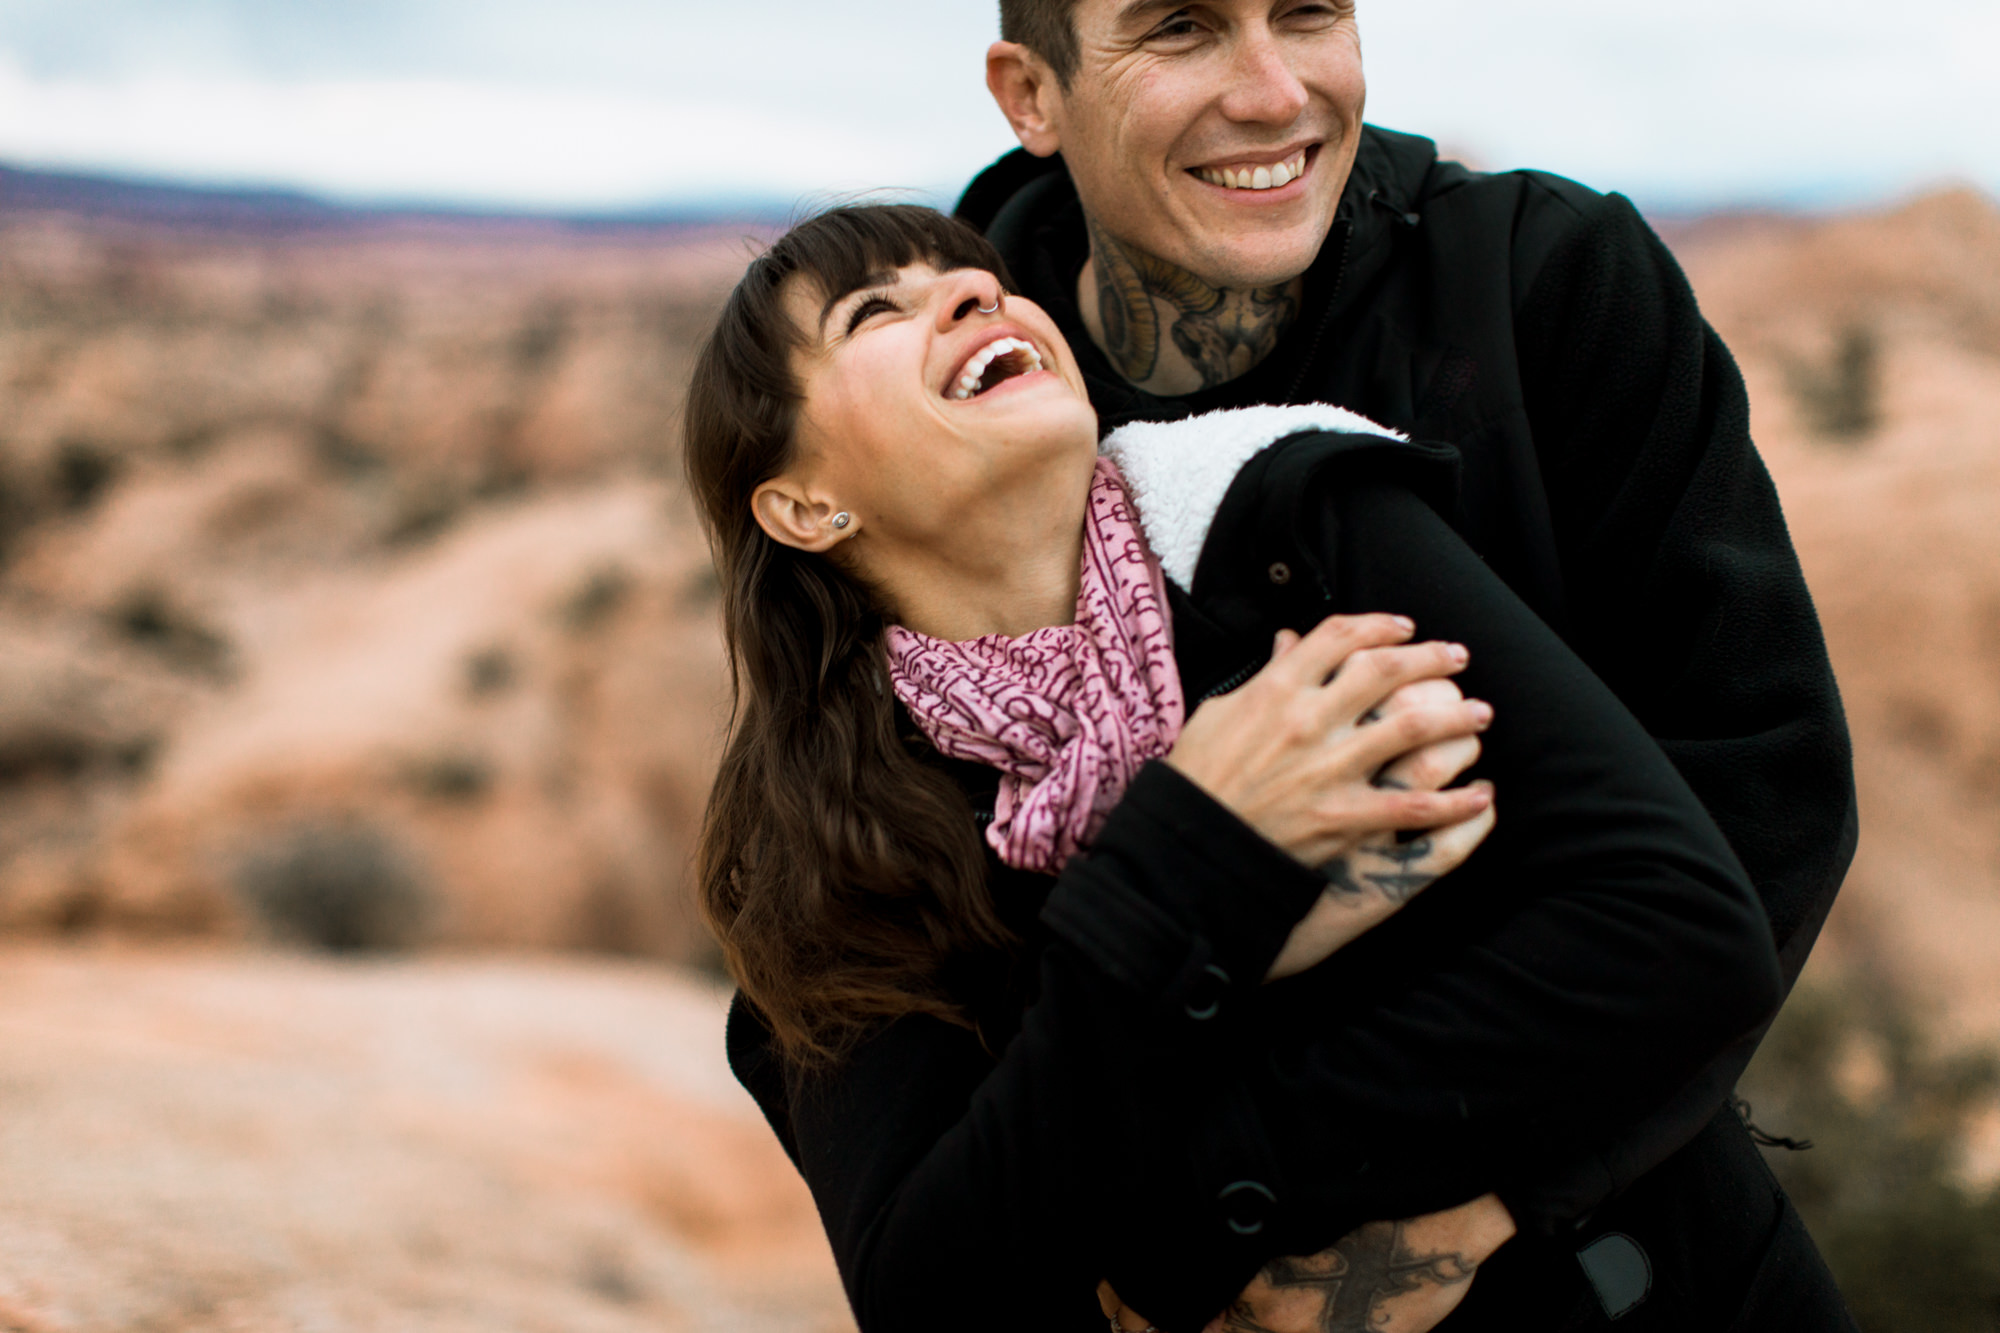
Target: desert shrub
[[1916, 1247], [596, 599], [453, 777], [1842, 399], [148, 617], [490, 671], [338, 885], [84, 470]]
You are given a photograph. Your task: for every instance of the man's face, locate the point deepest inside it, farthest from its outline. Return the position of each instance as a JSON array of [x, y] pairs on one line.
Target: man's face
[[1182, 119]]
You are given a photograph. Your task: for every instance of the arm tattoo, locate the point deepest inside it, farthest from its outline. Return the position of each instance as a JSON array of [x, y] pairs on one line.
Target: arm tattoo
[[1221, 332], [1350, 1285]]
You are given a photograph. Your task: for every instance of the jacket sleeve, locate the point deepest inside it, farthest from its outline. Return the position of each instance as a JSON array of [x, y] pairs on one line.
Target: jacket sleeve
[[1684, 595], [1601, 947], [966, 1191]]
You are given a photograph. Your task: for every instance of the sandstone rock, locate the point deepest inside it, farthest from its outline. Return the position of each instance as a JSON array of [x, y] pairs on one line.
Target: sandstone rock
[[378, 522], [521, 715], [1897, 535], [242, 1141]]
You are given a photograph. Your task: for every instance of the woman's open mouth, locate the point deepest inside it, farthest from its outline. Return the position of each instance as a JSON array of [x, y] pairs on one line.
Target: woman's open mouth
[[994, 364]]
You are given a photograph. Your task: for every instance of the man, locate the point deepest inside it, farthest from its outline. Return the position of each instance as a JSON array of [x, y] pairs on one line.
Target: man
[[1199, 205]]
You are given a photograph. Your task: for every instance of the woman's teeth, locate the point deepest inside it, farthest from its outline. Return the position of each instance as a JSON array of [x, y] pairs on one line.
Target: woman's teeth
[[972, 378], [1257, 178]]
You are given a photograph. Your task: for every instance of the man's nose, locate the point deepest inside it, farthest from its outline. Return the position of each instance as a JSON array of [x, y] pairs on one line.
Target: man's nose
[[1262, 87]]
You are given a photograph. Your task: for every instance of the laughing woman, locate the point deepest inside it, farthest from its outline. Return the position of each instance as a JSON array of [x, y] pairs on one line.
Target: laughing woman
[[1056, 782]]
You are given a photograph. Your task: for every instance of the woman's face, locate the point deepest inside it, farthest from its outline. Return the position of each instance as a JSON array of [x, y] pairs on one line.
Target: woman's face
[[931, 400]]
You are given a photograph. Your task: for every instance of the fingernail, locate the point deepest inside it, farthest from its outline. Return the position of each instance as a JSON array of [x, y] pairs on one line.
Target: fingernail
[[1482, 713], [1459, 653], [1404, 621]]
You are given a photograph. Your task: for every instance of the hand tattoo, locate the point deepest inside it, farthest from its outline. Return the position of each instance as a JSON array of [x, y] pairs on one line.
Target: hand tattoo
[[1400, 879], [1349, 1287], [1221, 332]]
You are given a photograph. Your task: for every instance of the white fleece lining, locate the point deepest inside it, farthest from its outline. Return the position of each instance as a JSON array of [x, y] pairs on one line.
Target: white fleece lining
[[1178, 471]]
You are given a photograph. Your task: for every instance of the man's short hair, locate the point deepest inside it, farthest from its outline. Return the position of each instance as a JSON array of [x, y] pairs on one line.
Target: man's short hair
[[1046, 27]]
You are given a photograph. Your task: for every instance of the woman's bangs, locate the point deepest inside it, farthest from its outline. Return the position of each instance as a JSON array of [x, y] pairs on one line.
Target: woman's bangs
[[847, 249]]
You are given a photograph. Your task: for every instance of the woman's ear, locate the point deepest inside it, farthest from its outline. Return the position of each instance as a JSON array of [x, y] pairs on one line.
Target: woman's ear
[[1027, 92], [791, 516]]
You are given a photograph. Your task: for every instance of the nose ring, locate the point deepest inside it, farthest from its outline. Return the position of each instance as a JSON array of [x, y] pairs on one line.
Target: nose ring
[[994, 309]]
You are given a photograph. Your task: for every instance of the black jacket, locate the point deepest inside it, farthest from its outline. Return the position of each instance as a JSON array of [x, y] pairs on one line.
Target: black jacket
[[1609, 480], [1137, 1107]]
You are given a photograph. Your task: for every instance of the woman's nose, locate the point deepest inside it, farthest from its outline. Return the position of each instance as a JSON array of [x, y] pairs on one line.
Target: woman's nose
[[979, 294]]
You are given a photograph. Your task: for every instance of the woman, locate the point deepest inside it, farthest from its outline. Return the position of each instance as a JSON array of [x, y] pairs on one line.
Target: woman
[[1012, 1080]]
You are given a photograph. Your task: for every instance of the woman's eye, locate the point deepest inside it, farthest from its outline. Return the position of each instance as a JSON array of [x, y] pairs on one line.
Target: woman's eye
[[874, 305]]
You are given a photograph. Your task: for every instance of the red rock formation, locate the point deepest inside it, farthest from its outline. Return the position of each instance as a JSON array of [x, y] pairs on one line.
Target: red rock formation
[[1898, 526], [243, 1141], [348, 592]]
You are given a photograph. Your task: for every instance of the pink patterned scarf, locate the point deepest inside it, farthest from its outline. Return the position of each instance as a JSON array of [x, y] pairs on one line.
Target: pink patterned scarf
[[1069, 713]]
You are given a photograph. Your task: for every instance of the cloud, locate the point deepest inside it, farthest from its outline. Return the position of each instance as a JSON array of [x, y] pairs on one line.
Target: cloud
[[617, 103], [1703, 100], [433, 140]]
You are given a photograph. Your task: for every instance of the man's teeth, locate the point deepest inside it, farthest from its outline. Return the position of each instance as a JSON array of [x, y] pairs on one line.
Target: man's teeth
[[1257, 178], [975, 369]]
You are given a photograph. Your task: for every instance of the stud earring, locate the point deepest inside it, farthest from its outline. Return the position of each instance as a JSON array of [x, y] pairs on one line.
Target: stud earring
[[842, 519], [992, 310]]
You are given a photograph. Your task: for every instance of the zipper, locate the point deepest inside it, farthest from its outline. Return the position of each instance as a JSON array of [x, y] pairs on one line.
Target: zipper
[[1229, 682], [1408, 220], [1327, 316]]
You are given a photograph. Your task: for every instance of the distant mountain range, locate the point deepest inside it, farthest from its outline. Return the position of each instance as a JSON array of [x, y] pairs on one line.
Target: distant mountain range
[[211, 208]]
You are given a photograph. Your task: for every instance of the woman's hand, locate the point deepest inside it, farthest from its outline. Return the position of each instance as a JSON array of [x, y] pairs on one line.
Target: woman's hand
[[1294, 752], [1373, 882], [1345, 739], [1396, 1277]]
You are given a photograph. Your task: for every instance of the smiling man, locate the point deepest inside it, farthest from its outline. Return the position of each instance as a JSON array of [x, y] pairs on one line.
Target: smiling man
[[1199, 206]]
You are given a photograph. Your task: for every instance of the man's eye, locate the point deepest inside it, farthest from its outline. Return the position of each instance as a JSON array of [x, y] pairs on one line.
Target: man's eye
[[1314, 14], [1178, 25], [874, 305]]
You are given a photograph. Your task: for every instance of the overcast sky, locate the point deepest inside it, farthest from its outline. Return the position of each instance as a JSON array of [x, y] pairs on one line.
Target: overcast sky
[[616, 104]]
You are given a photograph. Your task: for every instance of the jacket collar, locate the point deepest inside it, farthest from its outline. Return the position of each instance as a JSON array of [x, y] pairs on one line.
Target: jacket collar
[[1028, 208]]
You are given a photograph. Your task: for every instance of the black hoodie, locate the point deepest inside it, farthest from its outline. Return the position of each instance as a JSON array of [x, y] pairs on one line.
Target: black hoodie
[[1608, 477]]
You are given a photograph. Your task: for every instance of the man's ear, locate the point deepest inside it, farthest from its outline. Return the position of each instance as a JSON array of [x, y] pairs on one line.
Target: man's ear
[[792, 516], [1028, 94]]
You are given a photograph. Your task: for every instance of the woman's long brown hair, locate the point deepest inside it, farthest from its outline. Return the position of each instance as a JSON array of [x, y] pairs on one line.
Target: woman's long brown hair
[[839, 873]]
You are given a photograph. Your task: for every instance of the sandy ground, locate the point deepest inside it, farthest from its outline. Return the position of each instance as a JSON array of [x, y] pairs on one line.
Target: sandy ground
[[263, 1142]]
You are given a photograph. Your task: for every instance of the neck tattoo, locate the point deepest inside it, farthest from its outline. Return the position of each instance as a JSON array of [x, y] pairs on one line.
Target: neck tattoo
[[1168, 331]]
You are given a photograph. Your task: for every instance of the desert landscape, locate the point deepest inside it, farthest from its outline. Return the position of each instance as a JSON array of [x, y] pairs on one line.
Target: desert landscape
[[360, 685]]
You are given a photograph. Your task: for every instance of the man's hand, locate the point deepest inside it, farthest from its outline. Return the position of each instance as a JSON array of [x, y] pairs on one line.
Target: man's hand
[[1382, 1277]]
